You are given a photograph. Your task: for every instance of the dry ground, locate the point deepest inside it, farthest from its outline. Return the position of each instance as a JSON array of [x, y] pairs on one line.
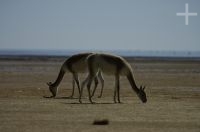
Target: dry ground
[[173, 92]]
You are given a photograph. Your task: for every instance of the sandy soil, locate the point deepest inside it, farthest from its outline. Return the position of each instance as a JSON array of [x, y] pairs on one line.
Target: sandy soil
[[173, 92]]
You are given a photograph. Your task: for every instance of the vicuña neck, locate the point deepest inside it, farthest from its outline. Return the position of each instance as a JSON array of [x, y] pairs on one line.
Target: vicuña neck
[[59, 78], [132, 82]]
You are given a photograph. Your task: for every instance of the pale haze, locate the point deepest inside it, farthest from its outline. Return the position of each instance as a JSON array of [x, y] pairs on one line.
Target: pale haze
[[99, 25]]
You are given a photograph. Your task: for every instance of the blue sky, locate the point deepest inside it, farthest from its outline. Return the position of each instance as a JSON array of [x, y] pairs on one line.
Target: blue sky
[[99, 25]]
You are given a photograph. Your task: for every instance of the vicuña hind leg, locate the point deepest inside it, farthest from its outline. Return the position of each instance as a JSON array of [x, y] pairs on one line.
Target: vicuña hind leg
[[95, 85], [102, 84], [88, 87]]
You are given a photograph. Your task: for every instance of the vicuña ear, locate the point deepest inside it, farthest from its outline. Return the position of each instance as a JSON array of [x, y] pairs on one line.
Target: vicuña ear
[[143, 88], [48, 83], [140, 87]]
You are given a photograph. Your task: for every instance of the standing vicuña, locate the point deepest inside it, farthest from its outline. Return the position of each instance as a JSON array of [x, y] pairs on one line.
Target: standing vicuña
[[74, 64], [111, 65]]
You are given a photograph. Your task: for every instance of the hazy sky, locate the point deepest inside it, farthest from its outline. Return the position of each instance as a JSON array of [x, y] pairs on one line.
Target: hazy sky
[[99, 24]]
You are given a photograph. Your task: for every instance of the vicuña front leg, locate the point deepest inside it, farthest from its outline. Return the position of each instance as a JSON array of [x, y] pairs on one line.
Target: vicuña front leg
[[77, 82], [118, 88], [73, 86], [115, 90], [82, 86]]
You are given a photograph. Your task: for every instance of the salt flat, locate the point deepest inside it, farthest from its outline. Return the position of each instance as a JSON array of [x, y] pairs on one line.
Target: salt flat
[[173, 92]]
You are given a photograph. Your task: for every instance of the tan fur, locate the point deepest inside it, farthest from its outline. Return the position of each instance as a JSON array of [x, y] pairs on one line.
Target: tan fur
[[111, 65], [74, 64]]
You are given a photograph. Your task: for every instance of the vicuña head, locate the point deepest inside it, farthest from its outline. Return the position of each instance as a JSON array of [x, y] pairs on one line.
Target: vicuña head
[[142, 95], [52, 89]]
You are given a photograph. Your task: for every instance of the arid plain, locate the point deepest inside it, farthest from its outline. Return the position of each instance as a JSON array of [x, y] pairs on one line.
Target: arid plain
[[172, 87]]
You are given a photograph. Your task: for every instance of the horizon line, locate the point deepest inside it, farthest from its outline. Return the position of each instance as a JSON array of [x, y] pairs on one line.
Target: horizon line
[[64, 52]]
